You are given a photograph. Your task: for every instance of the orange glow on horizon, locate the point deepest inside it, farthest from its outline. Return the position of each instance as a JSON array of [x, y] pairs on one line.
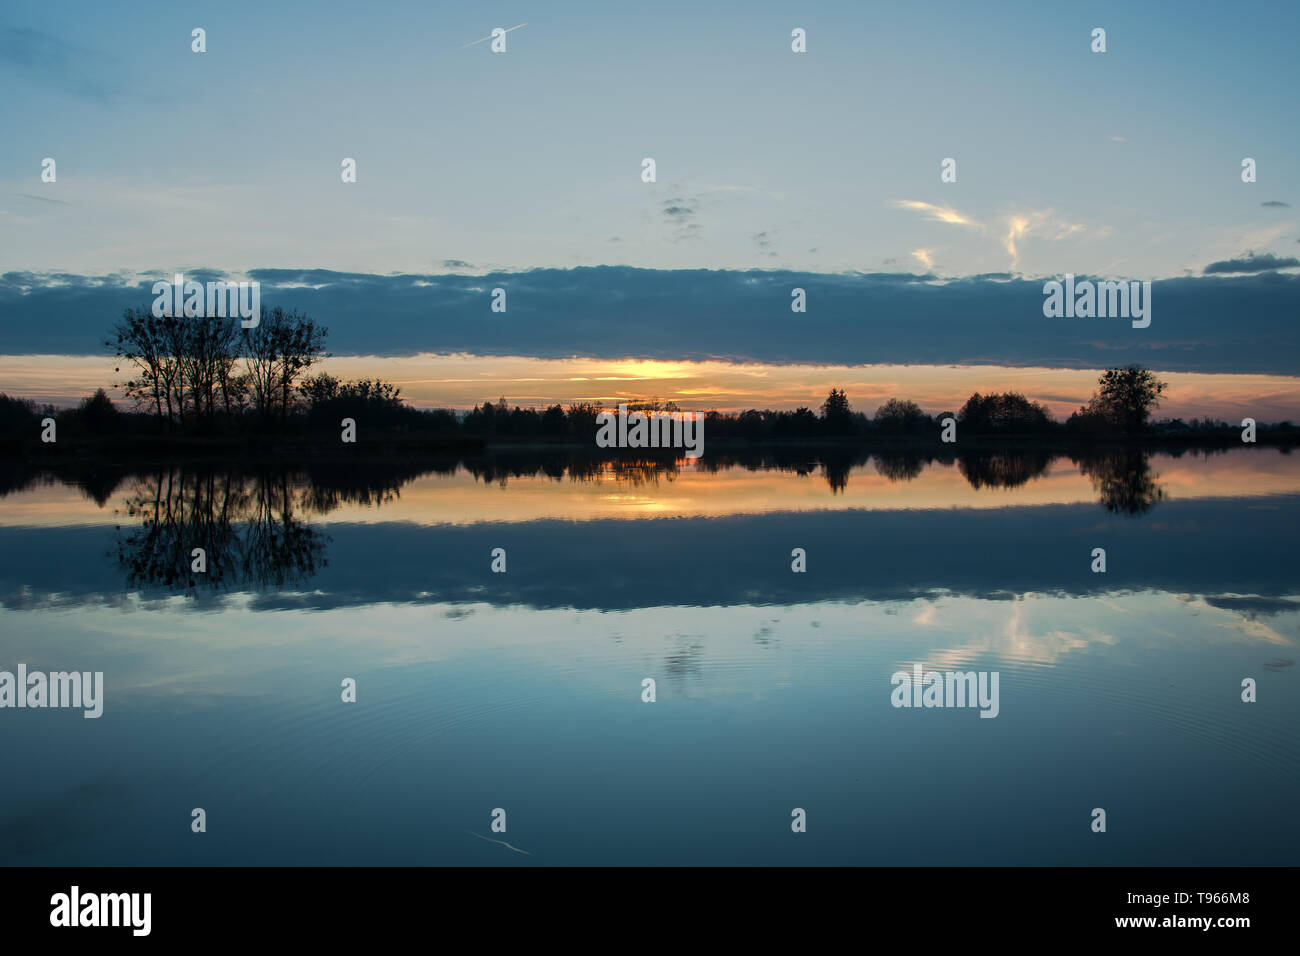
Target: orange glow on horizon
[[463, 381]]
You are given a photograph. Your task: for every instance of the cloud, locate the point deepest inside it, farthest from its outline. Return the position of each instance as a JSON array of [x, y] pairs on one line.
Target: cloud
[[680, 215], [1250, 263], [456, 264], [1276, 204], [616, 311], [1044, 223], [923, 256], [937, 213]]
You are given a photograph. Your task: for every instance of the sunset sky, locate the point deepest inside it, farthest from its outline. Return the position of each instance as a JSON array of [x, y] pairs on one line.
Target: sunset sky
[[462, 381], [775, 170]]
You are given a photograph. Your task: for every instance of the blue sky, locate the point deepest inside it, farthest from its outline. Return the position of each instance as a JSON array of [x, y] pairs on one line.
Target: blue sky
[[1123, 164], [774, 170]]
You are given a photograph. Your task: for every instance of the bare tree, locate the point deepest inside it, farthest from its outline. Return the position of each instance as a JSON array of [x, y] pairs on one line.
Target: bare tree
[[282, 347]]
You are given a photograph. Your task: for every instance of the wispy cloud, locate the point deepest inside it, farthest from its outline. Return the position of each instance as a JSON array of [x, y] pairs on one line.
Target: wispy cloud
[[937, 213], [1042, 223], [680, 214]]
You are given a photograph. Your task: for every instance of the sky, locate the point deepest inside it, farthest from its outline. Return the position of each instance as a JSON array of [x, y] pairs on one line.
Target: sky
[[518, 167]]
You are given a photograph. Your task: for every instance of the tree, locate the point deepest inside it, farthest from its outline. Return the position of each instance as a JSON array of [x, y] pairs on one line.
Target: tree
[[1127, 396], [210, 349], [319, 389], [97, 412], [837, 414], [17, 415], [279, 350], [140, 340], [1008, 413], [898, 417], [553, 420], [582, 419]]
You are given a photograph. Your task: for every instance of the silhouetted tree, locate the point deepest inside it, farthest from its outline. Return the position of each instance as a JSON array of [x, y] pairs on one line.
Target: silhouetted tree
[[1127, 396], [837, 414], [1007, 413], [899, 417], [279, 350]]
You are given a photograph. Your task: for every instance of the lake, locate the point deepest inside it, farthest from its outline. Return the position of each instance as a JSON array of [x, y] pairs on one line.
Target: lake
[[774, 689]]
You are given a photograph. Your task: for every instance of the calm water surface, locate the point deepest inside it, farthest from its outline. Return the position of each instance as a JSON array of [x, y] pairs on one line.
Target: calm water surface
[[522, 690]]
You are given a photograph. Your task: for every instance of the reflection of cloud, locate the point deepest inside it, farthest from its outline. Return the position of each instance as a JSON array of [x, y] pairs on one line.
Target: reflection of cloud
[[1241, 620], [1012, 643], [1250, 605], [724, 561]]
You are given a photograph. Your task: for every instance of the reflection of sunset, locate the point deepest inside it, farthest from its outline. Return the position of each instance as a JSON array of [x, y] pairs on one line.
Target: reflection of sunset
[[463, 381], [637, 490]]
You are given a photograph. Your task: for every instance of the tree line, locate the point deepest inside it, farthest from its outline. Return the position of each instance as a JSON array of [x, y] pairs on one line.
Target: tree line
[[198, 375], [192, 371]]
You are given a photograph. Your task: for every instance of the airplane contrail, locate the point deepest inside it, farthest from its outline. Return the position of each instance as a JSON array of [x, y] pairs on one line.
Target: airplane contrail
[[489, 37], [502, 842]]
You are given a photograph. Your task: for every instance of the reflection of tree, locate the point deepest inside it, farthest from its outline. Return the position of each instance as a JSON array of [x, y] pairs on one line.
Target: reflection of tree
[[836, 467], [901, 465], [329, 485], [246, 525], [637, 471], [1124, 479], [1003, 469]]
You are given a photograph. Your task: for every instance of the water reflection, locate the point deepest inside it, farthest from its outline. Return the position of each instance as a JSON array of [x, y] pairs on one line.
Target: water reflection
[[265, 530], [248, 527], [1124, 480], [1122, 477], [1000, 469], [772, 686], [249, 523]]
